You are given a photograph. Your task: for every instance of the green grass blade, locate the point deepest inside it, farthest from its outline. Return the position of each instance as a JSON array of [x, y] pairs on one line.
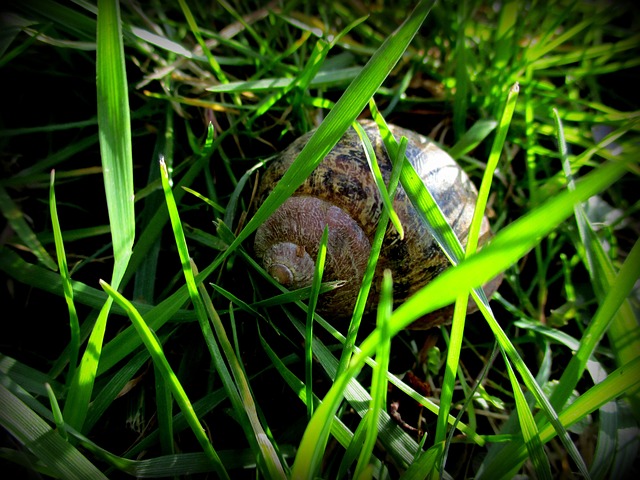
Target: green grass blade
[[160, 362], [60, 457], [529, 429], [265, 451], [451, 368], [313, 300], [117, 164], [379, 384], [379, 181], [74, 325], [457, 329], [115, 133], [492, 164]]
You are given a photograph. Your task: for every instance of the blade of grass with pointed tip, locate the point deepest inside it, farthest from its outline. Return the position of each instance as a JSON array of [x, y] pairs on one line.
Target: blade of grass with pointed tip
[[457, 328], [239, 392], [377, 177], [74, 325], [115, 149]]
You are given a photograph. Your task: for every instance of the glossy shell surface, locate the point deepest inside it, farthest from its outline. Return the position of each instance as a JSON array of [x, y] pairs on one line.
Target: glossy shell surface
[[341, 193]]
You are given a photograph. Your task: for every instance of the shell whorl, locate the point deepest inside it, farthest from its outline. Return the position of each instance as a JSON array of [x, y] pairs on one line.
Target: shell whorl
[[287, 244]]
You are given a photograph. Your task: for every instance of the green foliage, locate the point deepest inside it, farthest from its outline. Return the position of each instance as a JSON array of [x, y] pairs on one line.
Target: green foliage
[[239, 373]]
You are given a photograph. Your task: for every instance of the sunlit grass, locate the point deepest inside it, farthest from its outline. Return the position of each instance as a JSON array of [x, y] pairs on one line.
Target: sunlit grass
[[218, 369]]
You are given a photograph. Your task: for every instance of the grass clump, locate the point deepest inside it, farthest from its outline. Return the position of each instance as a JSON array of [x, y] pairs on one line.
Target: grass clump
[[140, 338]]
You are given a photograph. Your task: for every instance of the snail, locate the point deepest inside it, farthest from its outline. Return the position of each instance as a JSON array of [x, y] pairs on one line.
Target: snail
[[341, 193]]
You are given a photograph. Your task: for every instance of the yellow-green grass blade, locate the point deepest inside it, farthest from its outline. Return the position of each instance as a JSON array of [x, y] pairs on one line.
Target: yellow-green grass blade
[[623, 331], [457, 329], [379, 383], [115, 148], [74, 325], [451, 366]]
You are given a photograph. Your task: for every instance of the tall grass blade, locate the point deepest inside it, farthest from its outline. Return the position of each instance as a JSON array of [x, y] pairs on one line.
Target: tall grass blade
[[115, 148], [379, 383], [240, 392], [74, 325]]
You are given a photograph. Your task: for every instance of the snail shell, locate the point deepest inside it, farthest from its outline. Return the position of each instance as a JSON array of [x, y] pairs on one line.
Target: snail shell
[[342, 194]]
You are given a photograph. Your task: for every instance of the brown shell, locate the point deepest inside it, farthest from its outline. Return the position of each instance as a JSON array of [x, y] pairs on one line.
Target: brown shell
[[343, 186]]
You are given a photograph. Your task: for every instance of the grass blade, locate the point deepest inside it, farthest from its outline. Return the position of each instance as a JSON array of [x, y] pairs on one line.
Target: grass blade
[[379, 385], [117, 164], [313, 300], [160, 362], [74, 325], [59, 456], [239, 393]]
